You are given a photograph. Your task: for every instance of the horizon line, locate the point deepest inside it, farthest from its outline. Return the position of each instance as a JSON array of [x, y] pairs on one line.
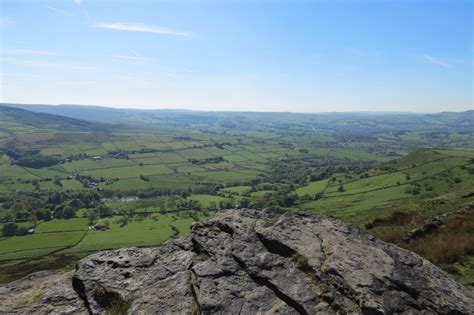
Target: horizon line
[[234, 111]]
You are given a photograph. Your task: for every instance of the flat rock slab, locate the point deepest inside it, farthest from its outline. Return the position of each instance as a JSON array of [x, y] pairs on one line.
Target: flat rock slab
[[248, 262]]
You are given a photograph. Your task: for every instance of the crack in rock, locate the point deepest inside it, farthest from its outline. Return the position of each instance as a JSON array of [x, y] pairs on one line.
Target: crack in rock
[[263, 281]]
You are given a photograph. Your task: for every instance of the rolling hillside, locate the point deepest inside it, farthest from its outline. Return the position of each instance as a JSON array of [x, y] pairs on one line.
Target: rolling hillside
[[362, 121], [17, 121], [59, 175]]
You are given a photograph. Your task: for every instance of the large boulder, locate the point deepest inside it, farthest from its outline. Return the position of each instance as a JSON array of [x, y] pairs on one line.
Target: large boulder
[[249, 261]]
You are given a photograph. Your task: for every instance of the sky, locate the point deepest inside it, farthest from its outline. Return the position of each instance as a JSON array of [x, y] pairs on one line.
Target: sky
[[298, 56]]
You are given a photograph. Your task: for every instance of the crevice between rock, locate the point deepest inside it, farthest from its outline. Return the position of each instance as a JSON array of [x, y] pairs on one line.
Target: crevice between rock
[[263, 281], [79, 287], [196, 307], [276, 247]]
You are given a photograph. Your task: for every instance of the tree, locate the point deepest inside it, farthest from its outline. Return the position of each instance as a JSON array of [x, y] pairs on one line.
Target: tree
[[212, 206], [21, 231], [57, 181], [43, 214], [91, 216], [68, 212], [226, 204], [341, 188], [245, 203], [107, 224], [8, 215], [104, 211], [59, 212], [33, 219], [76, 203], [162, 208], [288, 200], [258, 203], [10, 229], [197, 206]]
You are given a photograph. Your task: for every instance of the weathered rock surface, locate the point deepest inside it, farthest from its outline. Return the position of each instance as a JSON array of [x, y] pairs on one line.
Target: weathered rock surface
[[44, 292], [247, 262]]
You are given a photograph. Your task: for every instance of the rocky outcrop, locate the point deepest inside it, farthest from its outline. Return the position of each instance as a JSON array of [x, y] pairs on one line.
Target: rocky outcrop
[[427, 228], [435, 223], [44, 292], [248, 261]]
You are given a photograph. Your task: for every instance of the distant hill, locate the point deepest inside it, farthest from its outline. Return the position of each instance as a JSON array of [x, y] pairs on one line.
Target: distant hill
[[90, 113], [333, 122], [15, 118]]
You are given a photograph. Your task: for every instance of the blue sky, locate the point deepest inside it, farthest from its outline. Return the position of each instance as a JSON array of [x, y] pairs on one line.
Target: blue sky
[[304, 56]]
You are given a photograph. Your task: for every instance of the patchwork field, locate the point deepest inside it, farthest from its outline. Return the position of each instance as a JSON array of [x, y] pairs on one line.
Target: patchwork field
[[69, 187]]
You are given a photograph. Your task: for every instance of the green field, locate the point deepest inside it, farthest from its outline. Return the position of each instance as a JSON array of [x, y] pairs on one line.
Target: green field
[[313, 188], [434, 176], [147, 178]]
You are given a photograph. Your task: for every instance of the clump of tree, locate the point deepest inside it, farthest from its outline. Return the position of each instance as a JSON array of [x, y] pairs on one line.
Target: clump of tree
[[13, 229], [208, 160], [31, 158], [144, 178], [45, 205], [188, 204]]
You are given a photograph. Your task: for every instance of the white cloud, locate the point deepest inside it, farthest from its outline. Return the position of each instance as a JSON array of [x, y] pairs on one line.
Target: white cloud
[[436, 61], [78, 2], [141, 28]]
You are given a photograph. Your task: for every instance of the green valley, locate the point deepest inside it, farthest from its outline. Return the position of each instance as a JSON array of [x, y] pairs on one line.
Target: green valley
[[69, 186]]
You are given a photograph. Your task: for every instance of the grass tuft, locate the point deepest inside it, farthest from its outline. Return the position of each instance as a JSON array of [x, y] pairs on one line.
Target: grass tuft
[[450, 243]]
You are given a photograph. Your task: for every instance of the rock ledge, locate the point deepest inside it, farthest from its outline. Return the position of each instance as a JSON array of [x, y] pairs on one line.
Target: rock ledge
[[248, 261]]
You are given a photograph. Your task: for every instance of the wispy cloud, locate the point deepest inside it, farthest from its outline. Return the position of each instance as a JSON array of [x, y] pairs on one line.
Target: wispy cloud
[[436, 61], [141, 28], [27, 52], [84, 11], [62, 12]]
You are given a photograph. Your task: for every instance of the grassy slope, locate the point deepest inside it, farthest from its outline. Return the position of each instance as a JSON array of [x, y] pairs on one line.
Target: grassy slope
[[434, 171], [384, 208]]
